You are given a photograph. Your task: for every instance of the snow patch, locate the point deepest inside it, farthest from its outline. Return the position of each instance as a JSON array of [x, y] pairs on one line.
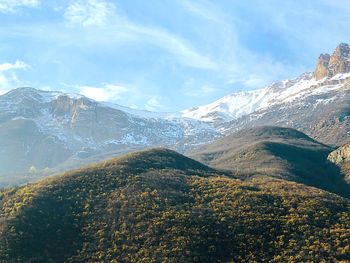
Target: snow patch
[[239, 104]]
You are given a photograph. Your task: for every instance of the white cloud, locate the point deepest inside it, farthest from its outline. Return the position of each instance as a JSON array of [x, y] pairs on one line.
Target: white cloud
[[192, 88], [8, 77], [115, 28], [121, 95], [108, 92], [204, 9], [214, 45], [4, 84], [11, 5], [10, 66], [89, 12], [253, 81], [175, 45], [154, 104], [239, 65]]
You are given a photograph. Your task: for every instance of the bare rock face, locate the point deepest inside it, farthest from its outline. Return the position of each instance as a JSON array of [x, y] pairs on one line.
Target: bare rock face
[[339, 62], [331, 65], [322, 66], [340, 155]]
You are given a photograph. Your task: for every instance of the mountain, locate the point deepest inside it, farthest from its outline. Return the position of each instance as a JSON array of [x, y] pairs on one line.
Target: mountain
[[40, 130], [278, 152], [159, 206], [317, 104], [244, 103], [43, 132], [331, 65]]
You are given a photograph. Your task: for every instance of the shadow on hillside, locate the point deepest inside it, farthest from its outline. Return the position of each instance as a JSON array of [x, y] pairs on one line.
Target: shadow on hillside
[[312, 168], [342, 187]]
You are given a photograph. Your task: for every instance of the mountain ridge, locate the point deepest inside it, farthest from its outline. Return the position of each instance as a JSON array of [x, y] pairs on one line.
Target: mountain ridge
[[74, 128], [70, 125], [317, 106]]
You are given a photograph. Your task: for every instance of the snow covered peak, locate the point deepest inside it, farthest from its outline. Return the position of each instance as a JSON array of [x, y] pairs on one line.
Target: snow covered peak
[[239, 104], [25, 95], [40, 96]]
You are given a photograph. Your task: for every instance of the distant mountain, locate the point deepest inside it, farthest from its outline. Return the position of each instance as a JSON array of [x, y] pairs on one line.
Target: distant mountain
[[159, 206], [315, 103], [278, 152], [42, 130], [243, 103]]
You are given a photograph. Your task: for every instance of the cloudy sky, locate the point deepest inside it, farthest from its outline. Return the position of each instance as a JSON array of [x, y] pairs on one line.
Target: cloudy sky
[[163, 55]]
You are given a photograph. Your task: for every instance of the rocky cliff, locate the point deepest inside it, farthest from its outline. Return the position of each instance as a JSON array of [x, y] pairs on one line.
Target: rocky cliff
[[331, 65]]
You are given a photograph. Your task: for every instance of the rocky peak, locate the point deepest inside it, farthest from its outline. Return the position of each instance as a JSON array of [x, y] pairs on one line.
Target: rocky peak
[[342, 51], [322, 66], [331, 65]]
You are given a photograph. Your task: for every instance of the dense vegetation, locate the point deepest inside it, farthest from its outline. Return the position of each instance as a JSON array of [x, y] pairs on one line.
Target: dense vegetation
[[278, 152], [159, 206]]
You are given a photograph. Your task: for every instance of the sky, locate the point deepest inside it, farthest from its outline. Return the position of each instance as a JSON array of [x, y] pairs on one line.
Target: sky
[[164, 55]]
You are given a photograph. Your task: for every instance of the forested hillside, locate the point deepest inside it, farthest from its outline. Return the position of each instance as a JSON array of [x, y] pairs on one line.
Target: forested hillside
[[159, 206]]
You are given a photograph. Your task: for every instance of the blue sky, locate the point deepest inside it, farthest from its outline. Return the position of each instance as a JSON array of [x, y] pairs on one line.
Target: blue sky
[[164, 55]]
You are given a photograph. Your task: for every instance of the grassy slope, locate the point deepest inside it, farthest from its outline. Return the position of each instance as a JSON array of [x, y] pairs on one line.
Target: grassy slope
[[274, 151], [159, 206]]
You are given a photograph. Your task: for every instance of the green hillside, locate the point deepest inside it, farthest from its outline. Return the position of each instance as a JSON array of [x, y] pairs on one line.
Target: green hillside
[[275, 151], [159, 206]]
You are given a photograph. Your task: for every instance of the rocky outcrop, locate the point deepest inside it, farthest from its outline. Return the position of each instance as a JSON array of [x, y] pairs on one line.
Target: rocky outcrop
[[340, 155], [331, 65], [322, 66]]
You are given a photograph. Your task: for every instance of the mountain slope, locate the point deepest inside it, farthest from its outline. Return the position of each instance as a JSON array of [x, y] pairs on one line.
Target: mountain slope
[[316, 103], [240, 104], [323, 116], [275, 151], [45, 129], [44, 132], [160, 206]]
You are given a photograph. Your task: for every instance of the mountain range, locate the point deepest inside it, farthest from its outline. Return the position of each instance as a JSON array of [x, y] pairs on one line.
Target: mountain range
[[41, 130], [266, 176], [44, 131]]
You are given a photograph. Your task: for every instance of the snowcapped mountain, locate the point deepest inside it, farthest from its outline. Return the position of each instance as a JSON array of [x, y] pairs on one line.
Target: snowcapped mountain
[[316, 103], [53, 130], [46, 129], [239, 104], [321, 110]]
